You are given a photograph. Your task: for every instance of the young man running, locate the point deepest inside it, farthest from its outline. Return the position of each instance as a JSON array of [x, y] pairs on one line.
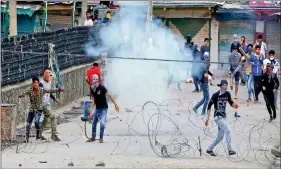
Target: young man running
[[276, 69], [99, 93], [270, 84], [219, 99], [204, 84], [46, 84], [35, 94]]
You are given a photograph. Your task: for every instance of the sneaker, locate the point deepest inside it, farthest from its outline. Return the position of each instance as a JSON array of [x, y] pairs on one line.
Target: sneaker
[[179, 88], [195, 110], [249, 99], [195, 91], [211, 84], [236, 114], [101, 140], [271, 118], [211, 153], [231, 152], [91, 140], [55, 137], [274, 116], [43, 138]]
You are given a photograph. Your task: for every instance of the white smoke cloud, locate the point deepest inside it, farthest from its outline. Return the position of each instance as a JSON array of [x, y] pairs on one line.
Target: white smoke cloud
[[138, 81]]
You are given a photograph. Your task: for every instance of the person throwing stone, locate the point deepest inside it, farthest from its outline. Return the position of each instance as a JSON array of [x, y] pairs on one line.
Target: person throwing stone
[[219, 99], [99, 93]]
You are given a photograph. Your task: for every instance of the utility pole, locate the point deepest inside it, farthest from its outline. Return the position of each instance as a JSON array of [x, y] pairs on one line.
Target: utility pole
[[13, 28], [83, 12], [149, 16]]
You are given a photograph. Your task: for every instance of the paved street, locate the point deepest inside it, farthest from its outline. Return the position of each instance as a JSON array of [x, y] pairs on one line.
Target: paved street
[[127, 137]]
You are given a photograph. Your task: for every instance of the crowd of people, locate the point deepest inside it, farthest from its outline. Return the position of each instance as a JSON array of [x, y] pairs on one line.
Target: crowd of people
[[251, 64]]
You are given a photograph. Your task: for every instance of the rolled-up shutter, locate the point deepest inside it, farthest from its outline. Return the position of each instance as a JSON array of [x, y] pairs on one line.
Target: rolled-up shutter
[[226, 31], [272, 31]]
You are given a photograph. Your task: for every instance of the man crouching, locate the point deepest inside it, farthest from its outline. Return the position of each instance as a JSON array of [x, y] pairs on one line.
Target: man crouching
[[99, 93]]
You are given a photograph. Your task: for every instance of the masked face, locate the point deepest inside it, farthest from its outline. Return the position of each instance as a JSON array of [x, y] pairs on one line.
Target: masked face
[[250, 50], [224, 87], [95, 79]]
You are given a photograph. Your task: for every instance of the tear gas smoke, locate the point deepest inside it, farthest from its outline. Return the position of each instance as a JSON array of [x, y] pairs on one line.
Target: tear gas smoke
[[137, 81]]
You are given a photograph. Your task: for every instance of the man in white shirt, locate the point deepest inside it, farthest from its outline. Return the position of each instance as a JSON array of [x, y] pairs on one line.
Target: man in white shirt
[[276, 68], [45, 83], [262, 45], [88, 20]]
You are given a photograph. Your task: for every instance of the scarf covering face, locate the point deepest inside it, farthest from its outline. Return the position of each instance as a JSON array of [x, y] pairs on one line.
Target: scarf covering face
[[269, 68], [235, 39], [95, 82]]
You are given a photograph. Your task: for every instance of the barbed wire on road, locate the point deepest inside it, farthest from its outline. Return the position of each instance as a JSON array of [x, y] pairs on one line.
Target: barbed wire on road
[[178, 138]]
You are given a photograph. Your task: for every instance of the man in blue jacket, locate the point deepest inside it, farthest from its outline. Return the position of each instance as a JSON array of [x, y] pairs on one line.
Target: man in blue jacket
[[256, 60]]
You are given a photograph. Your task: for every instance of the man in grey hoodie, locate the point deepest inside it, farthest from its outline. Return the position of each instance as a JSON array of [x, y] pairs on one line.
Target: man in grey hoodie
[[235, 66]]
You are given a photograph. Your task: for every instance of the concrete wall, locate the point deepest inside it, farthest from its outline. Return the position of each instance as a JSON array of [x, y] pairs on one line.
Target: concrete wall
[[73, 83]]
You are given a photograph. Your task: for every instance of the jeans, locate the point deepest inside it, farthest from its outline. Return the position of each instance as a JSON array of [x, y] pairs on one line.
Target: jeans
[[205, 100], [99, 114], [31, 115], [223, 129], [249, 81], [257, 86], [196, 82], [275, 98]]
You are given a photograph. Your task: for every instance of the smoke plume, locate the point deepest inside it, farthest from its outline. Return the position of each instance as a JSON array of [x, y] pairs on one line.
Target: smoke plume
[[135, 81]]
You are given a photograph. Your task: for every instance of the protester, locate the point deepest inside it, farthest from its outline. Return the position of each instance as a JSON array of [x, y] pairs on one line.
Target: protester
[[263, 46], [95, 69], [88, 21], [195, 71], [205, 72], [219, 99], [276, 70], [46, 84], [244, 47], [35, 94], [249, 75], [256, 60], [99, 93], [204, 48], [270, 84], [235, 66], [235, 43]]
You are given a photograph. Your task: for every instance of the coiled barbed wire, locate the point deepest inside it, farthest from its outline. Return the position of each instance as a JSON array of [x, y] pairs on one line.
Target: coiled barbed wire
[[175, 142]]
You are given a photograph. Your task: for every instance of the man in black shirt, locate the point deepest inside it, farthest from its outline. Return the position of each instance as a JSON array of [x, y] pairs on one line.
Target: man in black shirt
[[270, 84], [99, 93], [204, 84], [219, 99]]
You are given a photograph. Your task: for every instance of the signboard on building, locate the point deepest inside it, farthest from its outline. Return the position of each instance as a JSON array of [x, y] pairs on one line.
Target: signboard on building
[[264, 3]]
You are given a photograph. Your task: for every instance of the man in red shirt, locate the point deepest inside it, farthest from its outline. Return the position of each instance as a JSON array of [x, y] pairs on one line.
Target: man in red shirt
[[94, 70]]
